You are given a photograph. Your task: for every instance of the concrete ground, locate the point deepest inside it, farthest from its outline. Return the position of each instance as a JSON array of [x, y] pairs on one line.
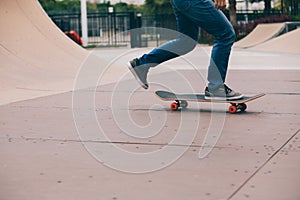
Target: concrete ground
[[63, 146], [112, 140]]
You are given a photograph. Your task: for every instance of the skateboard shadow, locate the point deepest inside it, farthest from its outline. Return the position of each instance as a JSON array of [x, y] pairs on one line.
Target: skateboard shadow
[[193, 110]]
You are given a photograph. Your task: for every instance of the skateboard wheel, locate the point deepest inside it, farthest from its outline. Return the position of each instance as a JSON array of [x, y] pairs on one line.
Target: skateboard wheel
[[174, 106], [232, 109], [243, 107], [183, 104]]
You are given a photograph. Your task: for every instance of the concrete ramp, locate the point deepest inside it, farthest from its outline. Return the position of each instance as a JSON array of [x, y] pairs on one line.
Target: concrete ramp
[[261, 34], [37, 59], [287, 43]]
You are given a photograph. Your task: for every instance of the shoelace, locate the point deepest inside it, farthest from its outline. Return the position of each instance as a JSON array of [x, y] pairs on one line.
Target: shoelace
[[227, 89]]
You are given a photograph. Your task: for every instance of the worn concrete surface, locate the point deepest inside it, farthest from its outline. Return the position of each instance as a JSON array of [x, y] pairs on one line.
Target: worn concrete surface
[[56, 144], [256, 156]]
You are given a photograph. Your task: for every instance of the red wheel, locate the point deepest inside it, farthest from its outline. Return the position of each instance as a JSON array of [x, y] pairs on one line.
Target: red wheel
[[174, 106], [232, 109], [243, 107]]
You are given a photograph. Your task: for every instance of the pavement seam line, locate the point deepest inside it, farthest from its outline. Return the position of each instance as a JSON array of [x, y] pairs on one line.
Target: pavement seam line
[[262, 166], [112, 142]]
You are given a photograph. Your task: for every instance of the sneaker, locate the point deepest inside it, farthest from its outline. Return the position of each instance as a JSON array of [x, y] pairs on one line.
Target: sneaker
[[222, 92], [140, 72]]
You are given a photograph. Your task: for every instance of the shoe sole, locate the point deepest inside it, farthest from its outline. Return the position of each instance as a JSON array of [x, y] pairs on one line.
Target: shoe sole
[[131, 69]]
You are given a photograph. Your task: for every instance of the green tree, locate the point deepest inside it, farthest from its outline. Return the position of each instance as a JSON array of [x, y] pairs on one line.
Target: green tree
[[71, 6], [124, 7], [157, 7], [103, 7], [66, 6], [267, 6], [232, 13], [290, 6]]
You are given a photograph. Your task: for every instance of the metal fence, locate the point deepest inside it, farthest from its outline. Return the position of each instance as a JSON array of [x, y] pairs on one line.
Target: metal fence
[[104, 29], [115, 29]]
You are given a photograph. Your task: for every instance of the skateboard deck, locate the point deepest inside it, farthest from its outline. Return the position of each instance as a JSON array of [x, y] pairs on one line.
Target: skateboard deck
[[180, 100]]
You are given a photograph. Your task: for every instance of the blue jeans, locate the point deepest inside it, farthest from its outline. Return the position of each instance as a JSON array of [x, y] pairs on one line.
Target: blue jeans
[[190, 15]]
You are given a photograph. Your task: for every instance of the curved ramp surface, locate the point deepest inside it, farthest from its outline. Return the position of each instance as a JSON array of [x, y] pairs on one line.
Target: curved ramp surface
[[261, 34], [37, 59], [287, 43]]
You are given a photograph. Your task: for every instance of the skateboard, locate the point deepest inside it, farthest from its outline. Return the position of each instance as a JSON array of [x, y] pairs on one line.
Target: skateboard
[[181, 100]]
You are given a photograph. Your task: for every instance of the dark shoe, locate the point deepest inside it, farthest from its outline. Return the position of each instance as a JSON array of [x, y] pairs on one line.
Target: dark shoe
[[222, 92], [140, 72]]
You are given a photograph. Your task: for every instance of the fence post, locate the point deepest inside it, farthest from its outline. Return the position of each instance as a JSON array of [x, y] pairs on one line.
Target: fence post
[[84, 23], [135, 21]]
